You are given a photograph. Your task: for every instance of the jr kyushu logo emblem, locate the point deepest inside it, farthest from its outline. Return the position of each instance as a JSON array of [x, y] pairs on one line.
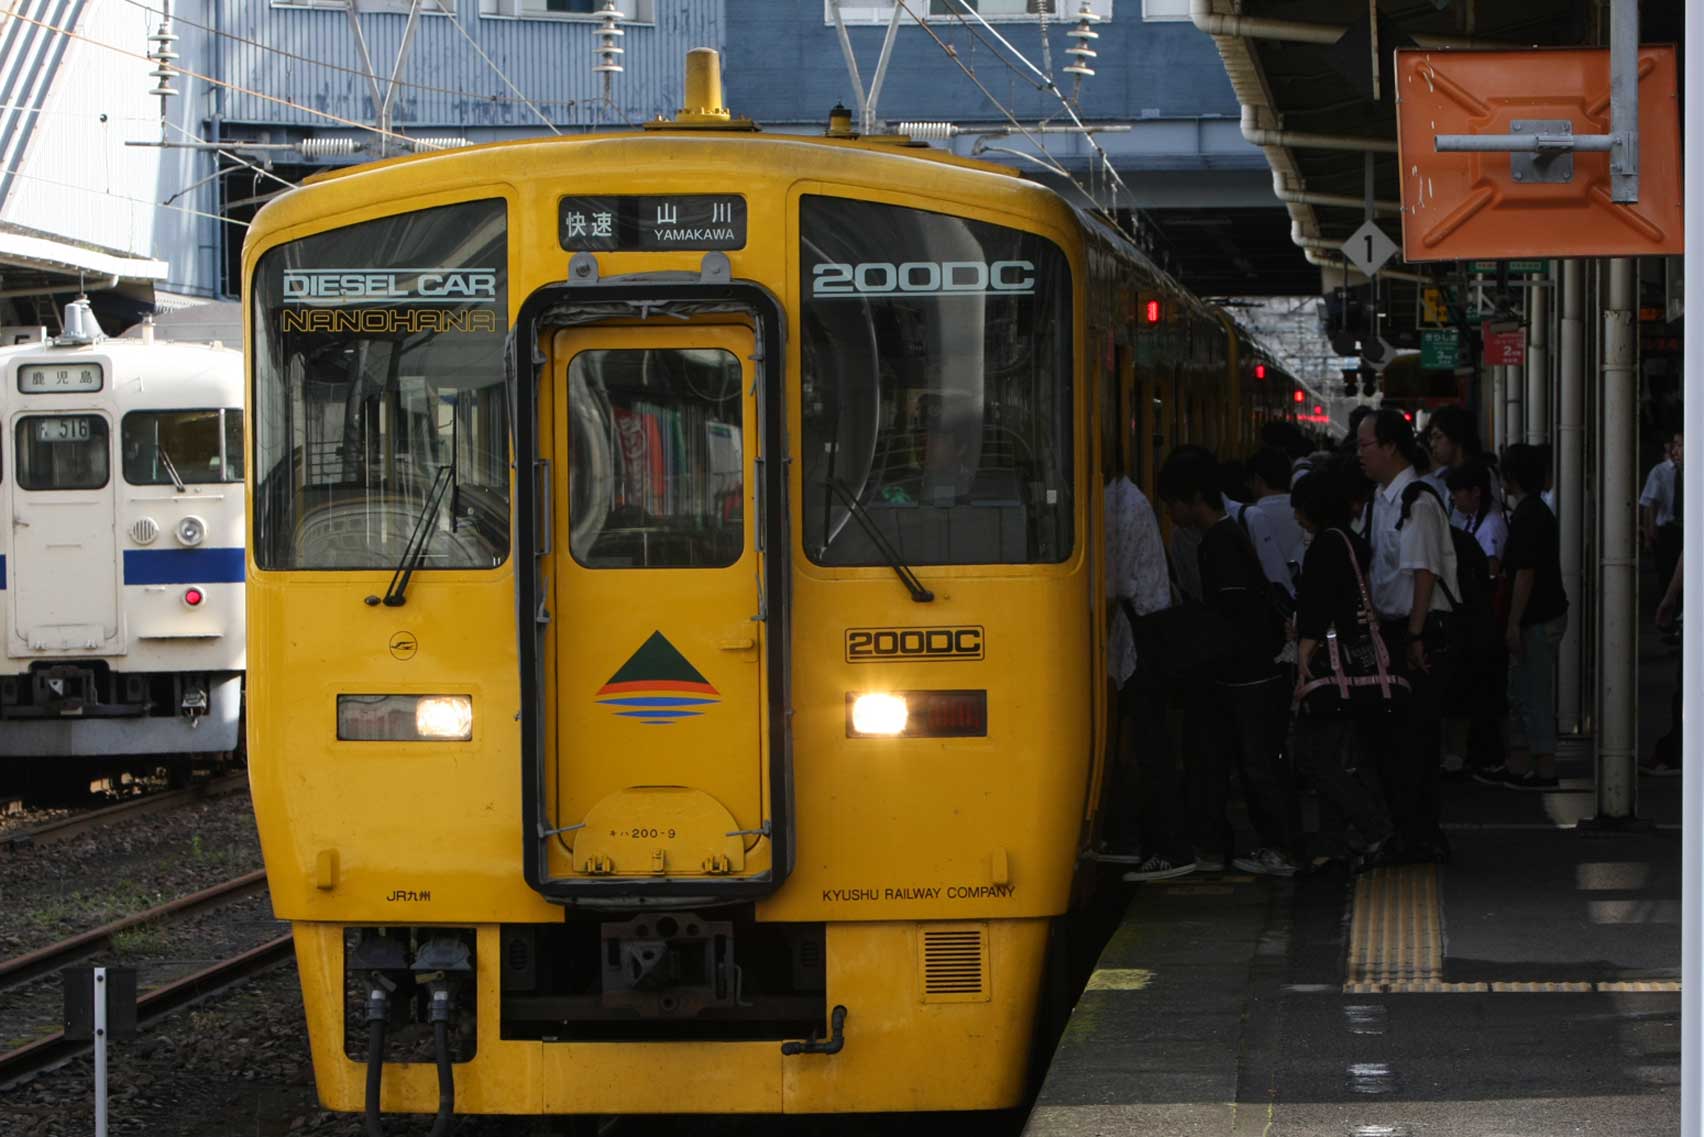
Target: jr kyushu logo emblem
[[658, 686]]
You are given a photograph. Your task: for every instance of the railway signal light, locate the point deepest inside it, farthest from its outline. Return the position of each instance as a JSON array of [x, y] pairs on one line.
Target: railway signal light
[[1151, 311], [1260, 371]]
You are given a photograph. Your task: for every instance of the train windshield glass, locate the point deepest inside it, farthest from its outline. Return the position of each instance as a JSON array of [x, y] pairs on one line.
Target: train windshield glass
[[62, 452], [937, 387], [196, 445], [379, 369]]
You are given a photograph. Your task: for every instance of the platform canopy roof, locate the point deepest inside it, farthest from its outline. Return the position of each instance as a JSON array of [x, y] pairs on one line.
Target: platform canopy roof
[[1314, 81]]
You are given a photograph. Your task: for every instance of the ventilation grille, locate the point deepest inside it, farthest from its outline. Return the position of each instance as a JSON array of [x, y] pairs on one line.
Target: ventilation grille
[[955, 965]]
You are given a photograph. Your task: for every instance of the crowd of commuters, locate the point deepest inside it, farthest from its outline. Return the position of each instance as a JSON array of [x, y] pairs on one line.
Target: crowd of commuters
[[1366, 622]]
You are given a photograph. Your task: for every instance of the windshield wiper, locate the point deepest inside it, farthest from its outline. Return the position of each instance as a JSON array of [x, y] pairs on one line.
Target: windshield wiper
[[877, 538], [171, 468], [396, 593]]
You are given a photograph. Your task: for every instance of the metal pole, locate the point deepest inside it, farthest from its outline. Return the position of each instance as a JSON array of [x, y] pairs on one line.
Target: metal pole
[[1624, 100], [869, 124], [851, 59], [1538, 366], [1571, 489], [1692, 658], [1618, 726], [100, 1052], [1514, 423], [1494, 436]]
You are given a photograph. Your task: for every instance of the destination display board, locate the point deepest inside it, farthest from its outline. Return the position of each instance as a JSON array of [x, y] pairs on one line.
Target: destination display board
[[647, 223]]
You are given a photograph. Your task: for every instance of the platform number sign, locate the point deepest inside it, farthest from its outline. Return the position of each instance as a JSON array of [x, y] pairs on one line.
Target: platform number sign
[[1368, 249]]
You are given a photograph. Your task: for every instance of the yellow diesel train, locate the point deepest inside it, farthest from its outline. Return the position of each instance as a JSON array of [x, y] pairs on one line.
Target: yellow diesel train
[[675, 609]]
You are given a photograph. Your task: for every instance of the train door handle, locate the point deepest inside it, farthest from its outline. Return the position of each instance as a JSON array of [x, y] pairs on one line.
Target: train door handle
[[745, 643], [20, 523]]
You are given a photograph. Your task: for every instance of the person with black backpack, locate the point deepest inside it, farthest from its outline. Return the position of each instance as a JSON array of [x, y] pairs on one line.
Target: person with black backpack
[[1249, 697], [1538, 615], [1417, 591]]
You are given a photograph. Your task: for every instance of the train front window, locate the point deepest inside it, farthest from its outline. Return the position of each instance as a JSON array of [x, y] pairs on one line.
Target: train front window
[[194, 445], [379, 393], [657, 475], [62, 452], [936, 387]]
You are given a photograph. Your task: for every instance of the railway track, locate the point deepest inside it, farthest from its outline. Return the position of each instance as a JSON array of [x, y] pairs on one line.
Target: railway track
[[77, 823], [54, 1049]]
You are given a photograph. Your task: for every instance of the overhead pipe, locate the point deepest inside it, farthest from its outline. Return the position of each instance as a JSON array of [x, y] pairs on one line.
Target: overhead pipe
[[1282, 191], [1261, 130]]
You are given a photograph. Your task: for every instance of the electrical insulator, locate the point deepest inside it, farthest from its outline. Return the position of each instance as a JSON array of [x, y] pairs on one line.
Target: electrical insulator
[[1083, 36], [162, 56], [609, 39]]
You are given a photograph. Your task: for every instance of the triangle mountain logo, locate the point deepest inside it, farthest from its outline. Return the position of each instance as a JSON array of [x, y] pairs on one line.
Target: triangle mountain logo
[[658, 686]]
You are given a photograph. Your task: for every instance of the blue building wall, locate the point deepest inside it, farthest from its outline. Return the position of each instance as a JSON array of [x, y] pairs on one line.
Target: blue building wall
[[784, 64], [310, 57]]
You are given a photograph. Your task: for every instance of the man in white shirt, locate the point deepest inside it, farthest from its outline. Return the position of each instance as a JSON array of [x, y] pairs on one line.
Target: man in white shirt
[[1659, 509], [1144, 794], [1269, 519], [1413, 577]]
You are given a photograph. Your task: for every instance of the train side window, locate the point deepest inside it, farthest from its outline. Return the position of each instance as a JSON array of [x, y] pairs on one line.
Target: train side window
[[233, 444], [63, 452], [191, 443]]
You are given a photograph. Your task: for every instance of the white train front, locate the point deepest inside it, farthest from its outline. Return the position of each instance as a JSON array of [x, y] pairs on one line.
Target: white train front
[[121, 473]]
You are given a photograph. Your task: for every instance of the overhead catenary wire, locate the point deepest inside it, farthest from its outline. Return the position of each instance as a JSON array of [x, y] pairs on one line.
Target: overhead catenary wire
[[208, 79], [145, 6], [970, 73], [491, 63], [15, 172], [1044, 83]]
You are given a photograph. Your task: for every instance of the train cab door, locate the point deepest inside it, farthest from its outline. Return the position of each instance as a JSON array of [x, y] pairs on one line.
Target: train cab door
[[655, 645], [63, 578]]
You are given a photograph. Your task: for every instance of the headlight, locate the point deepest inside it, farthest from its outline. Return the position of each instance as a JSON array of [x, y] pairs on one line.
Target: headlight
[[191, 530], [879, 714], [917, 714], [404, 718], [444, 716]]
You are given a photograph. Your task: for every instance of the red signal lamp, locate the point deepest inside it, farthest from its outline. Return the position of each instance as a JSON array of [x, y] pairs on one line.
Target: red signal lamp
[[1151, 311], [193, 597], [1300, 397], [1260, 371], [1318, 410]]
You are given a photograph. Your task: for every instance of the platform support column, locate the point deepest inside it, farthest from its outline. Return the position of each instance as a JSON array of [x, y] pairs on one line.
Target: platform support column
[[1571, 489], [1538, 363], [1618, 720], [1514, 419]]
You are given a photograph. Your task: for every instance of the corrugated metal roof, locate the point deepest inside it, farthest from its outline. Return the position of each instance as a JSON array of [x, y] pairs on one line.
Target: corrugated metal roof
[[282, 52], [29, 55]]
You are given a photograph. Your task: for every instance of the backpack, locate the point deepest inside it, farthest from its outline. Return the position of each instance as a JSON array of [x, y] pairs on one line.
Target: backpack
[[1476, 623]]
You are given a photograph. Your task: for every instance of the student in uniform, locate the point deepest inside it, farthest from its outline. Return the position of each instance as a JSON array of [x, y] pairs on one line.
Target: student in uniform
[[1413, 575], [1478, 512], [1538, 616], [1249, 694]]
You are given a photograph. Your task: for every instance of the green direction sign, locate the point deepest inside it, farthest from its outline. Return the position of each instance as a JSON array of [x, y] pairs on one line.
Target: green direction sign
[[1440, 349], [1516, 268]]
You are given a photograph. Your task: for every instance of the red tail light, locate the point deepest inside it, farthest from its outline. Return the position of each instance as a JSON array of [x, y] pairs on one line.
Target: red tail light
[[1260, 371], [1153, 311], [193, 597]]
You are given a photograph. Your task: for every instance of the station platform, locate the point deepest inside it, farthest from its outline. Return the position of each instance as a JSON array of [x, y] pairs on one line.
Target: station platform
[[1529, 988]]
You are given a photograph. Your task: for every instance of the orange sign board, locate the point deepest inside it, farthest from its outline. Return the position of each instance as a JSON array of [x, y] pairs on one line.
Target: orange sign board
[[1462, 205]]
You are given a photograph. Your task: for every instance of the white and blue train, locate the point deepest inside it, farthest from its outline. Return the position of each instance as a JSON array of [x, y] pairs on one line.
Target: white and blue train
[[121, 467]]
